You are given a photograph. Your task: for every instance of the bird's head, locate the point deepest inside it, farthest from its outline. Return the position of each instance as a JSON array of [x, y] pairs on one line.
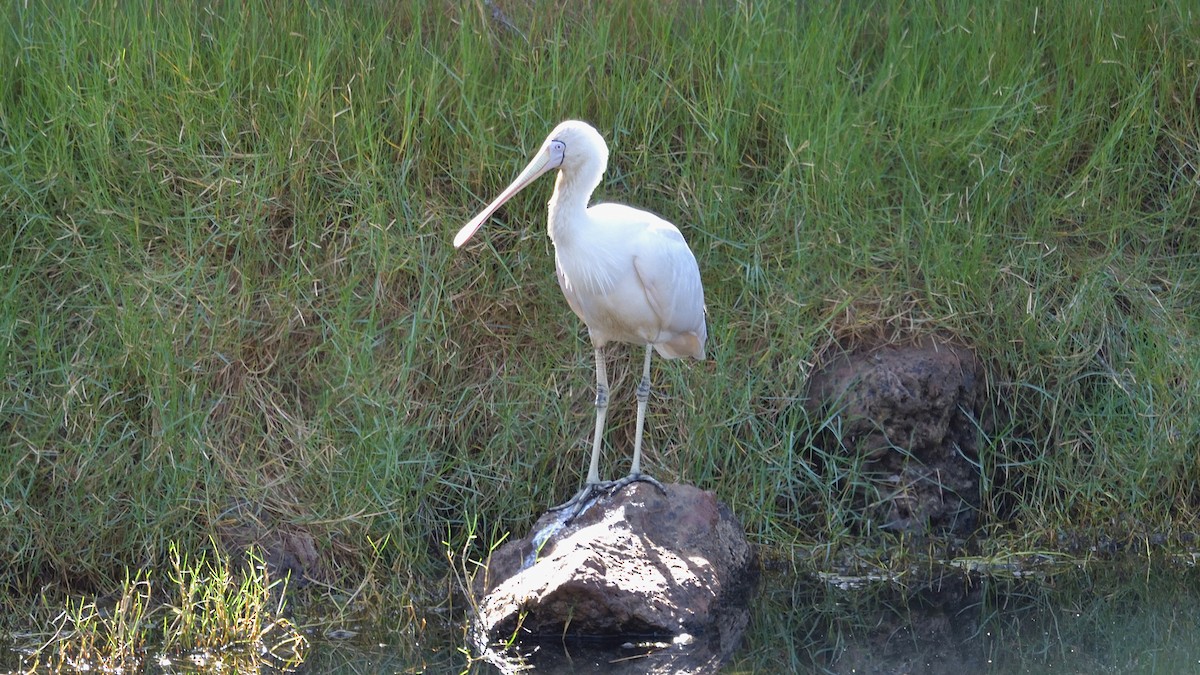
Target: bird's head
[[574, 147], [579, 147]]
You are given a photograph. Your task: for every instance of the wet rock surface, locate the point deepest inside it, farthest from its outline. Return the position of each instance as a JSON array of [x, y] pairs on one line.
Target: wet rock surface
[[915, 414], [671, 572]]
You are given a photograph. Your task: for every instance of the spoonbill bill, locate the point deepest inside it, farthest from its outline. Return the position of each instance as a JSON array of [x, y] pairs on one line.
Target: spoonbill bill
[[627, 273]]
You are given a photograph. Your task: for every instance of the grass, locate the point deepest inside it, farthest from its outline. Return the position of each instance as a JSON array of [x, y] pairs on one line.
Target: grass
[[220, 619], [231, 309]]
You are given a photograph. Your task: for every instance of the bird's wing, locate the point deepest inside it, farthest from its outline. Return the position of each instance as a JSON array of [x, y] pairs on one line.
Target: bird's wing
[[671, 279], [567, 291]]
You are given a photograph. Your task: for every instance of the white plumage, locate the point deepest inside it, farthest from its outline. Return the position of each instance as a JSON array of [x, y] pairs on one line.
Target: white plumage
[[628, 274]]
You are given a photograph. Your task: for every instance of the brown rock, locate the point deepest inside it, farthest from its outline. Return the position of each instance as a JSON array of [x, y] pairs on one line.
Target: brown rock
[[915, 413], [636, 564]]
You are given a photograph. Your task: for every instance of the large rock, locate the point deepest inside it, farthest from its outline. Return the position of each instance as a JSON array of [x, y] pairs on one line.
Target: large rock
[[637, 564], [916, 413]]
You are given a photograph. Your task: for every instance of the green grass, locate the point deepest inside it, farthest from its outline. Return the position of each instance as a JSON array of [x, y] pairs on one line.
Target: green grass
[[217, 619], [230, 307]]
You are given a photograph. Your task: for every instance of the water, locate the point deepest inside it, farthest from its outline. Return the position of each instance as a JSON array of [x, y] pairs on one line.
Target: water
[[1063, 619], [1042, 617], [1105, 617]]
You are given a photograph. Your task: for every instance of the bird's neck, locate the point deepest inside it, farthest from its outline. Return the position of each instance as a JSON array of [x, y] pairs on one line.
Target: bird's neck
[[567, 209]]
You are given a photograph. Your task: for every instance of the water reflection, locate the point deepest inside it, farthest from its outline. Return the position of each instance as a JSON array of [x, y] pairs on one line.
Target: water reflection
[[684, 654], [1115, 617], [1099, 617], [1102, 617], [438, 654]]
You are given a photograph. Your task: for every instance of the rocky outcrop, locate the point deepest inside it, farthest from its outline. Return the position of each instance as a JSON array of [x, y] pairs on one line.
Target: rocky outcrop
[[915, 414]]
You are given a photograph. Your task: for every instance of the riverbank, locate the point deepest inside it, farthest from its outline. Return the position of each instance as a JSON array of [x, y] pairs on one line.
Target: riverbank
[[233, 318]]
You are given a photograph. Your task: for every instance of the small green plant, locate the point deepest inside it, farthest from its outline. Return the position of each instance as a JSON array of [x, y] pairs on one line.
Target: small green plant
[[212, 615], [219, 611], [93, 636]]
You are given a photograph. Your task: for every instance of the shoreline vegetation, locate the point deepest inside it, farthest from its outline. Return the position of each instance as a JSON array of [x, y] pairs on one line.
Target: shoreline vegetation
[[233, 321]]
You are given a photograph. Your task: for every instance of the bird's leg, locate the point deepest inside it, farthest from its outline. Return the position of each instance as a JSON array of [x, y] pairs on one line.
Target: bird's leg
[[643, 399], [601, 413], [594, 485]]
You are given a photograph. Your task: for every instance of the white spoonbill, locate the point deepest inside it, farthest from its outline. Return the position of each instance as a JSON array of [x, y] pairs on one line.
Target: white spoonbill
[[628, 274]]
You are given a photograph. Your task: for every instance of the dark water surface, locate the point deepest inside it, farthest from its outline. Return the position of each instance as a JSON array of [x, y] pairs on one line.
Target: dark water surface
[[1132, 616], [1129, 616], [1102, 617]]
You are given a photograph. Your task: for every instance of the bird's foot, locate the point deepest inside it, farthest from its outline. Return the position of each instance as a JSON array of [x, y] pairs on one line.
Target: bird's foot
[[582, 499], [618, 485], [593, 491]]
